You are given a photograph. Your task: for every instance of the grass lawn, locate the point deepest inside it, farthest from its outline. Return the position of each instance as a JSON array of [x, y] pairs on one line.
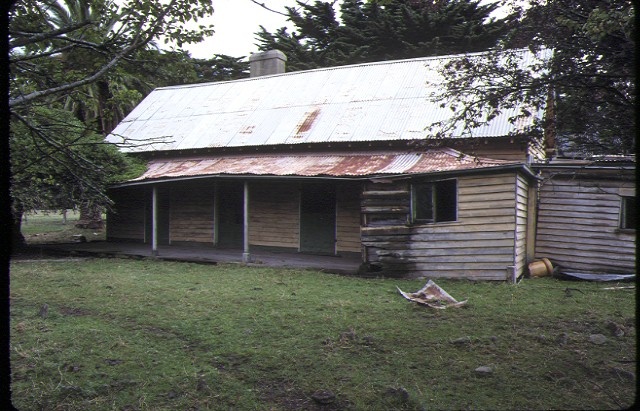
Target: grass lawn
[[144, 335]]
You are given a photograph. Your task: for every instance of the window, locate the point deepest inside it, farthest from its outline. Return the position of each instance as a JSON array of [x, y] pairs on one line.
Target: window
[[628, 213], [434, 202]]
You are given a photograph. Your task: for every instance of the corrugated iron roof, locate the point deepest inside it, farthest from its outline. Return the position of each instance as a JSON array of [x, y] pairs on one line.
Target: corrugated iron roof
[[359, 164], [359, 103]]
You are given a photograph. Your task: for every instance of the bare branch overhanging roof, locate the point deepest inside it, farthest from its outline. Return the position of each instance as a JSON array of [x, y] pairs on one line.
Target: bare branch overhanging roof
[[359, 103]]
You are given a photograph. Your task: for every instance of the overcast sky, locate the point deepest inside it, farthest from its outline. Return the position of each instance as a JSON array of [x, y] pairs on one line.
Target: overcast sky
[[235, 21]]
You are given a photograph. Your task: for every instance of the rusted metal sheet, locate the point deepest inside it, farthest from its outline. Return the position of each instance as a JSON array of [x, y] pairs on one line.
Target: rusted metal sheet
[[318, 164], [359, 103], [307, 123]]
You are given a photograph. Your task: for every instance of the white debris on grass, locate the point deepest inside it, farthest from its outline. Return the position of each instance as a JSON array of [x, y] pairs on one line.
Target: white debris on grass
[[432, 296]]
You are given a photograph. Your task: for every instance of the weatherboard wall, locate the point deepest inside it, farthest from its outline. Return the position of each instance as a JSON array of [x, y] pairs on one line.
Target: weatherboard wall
[[522, 224], [481, 244], [579, 221], [275, 221], [191, 213], [487, 241], [126, 219], [522, 149], [348, 218], [274, 214]]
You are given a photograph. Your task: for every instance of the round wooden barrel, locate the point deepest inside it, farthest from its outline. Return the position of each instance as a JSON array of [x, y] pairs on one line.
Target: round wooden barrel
[[540, 268]]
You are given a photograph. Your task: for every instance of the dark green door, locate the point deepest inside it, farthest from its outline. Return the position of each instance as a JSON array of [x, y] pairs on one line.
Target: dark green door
[[230, 215], [318, 219]]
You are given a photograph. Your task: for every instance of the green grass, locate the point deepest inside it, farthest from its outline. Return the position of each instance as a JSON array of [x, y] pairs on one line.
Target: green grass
[[49, 227], [47, 222], [146, 335]]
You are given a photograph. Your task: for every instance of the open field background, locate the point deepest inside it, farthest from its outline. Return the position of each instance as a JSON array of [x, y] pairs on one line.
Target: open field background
[[46, 227], [145, 335]]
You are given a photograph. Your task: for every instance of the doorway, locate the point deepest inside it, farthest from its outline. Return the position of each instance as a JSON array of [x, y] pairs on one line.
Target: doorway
[[318, 219], [230, 215]]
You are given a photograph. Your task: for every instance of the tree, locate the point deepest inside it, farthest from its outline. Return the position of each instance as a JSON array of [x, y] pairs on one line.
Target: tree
[[78, 55], [589, 79], [35, 40], [42, 148], [383, 30], [220, 68]]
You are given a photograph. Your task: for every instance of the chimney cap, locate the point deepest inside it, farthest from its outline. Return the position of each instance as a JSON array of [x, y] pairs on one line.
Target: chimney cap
[[266, 55], [267, 63]]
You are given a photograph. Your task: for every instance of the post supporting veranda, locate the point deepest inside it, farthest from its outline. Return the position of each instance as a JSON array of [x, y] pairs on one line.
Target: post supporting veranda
[[246, 256], [216, 215], [154, 221]]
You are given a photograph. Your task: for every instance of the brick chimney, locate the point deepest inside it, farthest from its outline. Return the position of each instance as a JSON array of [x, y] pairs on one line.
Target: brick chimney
[[267, 63]]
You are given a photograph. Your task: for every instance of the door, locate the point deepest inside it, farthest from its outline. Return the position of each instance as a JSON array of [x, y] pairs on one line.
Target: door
[[230, 215], [318, 219]]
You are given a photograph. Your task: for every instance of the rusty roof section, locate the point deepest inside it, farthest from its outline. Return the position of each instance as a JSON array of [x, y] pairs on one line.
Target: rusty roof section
[[371, 102], [358, 164]]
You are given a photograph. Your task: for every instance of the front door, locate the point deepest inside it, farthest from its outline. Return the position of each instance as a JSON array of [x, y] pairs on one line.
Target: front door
[[230, 215], [318, 219]]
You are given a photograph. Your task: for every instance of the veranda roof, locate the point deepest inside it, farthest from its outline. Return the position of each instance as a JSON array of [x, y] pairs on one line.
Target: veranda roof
[[344, 165]]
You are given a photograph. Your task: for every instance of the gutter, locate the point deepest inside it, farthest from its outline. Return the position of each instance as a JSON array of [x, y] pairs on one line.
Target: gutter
[[582, 167], [447, 173], [229, 177], [506, 167]]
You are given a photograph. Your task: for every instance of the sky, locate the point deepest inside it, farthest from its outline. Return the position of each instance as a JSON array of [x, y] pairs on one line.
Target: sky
[[235, 21]]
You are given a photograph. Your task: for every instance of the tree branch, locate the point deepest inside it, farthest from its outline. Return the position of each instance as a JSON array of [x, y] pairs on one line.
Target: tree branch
[[13, 102], [264, 6], [140, 40], [25, 39], [28, 57], [68, 154]]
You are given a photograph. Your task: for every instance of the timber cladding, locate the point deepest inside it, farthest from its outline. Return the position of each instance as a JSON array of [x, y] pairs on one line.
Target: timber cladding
[[522, 223], [274, 215], [348, 218], [480, 244], [191, 213], [504, 148], [579, 223], [126, 221], [189, 207]]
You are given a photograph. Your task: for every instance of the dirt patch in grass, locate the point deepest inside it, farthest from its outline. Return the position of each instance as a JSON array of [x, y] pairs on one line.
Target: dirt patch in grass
[[286, 396], [230, 362], [73, 311]]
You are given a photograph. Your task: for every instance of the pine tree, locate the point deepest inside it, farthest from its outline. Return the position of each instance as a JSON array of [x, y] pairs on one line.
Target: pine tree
[[375, 30]]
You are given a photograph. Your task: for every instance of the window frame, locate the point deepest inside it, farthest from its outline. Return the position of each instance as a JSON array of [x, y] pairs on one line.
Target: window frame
[[435, 205], [628, 208]]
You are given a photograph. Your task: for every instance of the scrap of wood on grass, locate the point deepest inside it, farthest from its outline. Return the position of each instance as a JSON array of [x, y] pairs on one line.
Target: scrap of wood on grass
[[432, 296]]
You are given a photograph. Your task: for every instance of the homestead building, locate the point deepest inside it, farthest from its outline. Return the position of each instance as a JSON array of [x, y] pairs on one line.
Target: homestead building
[[335, 161]]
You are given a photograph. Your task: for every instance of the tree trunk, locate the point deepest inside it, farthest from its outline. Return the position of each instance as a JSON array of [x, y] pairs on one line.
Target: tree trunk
[[18, 241], [90, 216]]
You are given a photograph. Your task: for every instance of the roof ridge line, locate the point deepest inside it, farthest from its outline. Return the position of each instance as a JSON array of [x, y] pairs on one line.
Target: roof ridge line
[[347, 66]]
